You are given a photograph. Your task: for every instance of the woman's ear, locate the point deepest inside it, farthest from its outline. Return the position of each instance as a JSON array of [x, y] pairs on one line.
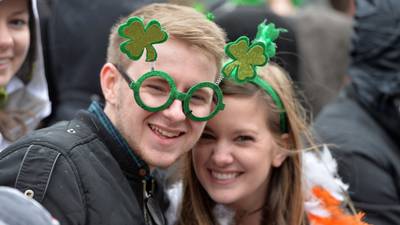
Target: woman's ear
[[109, 83], [281, 154]]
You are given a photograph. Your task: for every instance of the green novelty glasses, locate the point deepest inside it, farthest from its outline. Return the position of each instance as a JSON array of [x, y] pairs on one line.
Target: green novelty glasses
[[156, 90]]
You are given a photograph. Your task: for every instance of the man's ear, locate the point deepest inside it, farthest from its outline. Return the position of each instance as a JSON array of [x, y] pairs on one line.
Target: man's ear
[[109, 78], [281, 154]]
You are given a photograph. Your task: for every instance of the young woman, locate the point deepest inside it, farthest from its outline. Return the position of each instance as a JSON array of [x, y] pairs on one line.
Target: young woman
[[251, 165], [24, 97]]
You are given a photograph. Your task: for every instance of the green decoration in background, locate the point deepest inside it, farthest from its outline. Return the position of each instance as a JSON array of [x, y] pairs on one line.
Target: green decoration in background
[[3, 97], [141, 37], [248, 2], [210, 16], [201, 8], [298, 3]]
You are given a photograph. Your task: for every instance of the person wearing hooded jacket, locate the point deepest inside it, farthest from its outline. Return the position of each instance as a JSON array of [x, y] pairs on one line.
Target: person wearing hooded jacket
[[73, 63], [18, 209], [24, 100], [363, 122]]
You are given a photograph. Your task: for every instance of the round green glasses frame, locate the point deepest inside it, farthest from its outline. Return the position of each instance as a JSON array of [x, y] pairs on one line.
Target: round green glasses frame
[[156, 90]]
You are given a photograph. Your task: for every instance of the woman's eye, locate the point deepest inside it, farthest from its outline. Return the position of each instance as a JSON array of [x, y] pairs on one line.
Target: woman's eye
[[244, 138], [18, 23], [206, 136]]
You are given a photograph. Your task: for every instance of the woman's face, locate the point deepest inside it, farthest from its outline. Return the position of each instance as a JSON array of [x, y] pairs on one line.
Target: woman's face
[[234, 156], [14, 37]]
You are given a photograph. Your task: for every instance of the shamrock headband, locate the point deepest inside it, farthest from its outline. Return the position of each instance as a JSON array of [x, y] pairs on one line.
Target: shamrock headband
[[245, 57]]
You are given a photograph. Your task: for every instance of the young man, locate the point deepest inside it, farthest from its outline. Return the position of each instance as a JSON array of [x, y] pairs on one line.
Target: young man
[[99, 168]]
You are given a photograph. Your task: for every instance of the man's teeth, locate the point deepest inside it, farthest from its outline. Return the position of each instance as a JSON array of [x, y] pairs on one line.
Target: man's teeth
[[164, 133], [223, 176]]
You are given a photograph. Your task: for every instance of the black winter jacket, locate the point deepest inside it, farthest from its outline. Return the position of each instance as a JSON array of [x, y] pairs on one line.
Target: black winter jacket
[[91, 180], [364, 121], [368, 159]]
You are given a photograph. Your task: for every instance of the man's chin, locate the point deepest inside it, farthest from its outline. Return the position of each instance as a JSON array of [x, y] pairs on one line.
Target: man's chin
[[161, 161]]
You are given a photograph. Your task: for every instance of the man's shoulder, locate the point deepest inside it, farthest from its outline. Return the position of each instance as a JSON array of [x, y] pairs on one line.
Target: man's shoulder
[[63, 137]]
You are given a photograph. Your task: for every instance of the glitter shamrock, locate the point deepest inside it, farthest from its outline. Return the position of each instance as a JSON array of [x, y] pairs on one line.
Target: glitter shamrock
[[141, 37], [245, 58]]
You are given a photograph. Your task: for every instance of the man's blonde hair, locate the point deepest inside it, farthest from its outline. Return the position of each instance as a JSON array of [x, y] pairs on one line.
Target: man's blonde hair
[[182, 23]]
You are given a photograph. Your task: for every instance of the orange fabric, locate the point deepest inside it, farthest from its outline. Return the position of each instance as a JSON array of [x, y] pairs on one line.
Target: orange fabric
[[337, 214]]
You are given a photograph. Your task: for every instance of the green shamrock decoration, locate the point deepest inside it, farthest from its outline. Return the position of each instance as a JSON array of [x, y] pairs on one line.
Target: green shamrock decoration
[[245, 58], [267, 34], [141, 37], [201, 8]]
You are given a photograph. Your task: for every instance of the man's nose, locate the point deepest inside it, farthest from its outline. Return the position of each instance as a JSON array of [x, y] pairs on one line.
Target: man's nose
[[175, 111]]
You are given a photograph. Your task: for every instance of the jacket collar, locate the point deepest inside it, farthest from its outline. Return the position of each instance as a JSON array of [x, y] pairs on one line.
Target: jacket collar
[[130, 163]]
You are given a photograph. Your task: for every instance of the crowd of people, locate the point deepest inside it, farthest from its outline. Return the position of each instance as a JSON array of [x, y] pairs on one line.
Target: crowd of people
[[155, 112]]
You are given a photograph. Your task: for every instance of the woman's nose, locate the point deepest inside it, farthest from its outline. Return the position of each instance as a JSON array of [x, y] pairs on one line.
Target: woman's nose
[[222, 155], [6, 39]]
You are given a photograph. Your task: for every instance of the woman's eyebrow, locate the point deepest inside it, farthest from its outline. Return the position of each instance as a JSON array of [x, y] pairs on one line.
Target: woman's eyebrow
[[19, 12]]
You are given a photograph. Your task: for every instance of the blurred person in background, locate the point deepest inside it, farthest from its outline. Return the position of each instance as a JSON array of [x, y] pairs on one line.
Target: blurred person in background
[[363, 122], [347, 7], [323, 37], [75, 51], [24, 99], [18, 209]]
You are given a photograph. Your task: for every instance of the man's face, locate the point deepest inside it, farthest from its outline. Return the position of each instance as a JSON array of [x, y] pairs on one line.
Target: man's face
[[160, 138]]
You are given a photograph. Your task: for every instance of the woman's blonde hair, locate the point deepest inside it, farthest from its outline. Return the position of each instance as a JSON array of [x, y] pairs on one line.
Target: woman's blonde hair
[[181, 23], [285, 201]]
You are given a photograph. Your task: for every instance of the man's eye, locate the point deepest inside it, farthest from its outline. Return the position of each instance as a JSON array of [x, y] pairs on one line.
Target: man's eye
[[157, 88], [199, 99]]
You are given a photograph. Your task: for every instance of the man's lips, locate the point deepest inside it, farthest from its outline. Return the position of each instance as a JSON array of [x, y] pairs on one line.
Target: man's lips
[[166, 133]]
